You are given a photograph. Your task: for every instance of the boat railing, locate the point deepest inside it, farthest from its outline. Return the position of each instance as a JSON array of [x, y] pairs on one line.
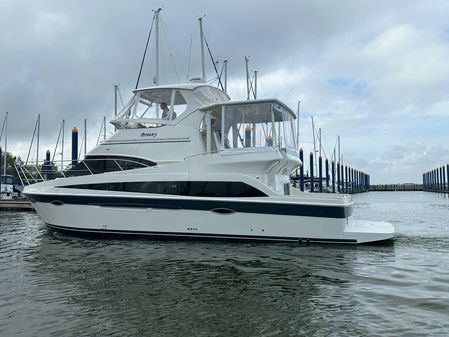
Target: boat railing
[[31, 173]]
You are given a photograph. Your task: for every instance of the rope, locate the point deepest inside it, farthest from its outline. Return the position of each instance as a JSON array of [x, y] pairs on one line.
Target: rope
[[171, 50], [120, 96], [145, 52], [213, 62]]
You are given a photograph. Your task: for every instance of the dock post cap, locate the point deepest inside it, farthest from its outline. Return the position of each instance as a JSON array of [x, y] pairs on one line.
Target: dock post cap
[[74, 129]]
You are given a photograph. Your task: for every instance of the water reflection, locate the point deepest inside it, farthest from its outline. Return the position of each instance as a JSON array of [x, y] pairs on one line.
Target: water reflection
[[197, 286], [57, 284]]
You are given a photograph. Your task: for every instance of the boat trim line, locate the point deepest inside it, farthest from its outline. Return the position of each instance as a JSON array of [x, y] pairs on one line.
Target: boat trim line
[[211, 236]]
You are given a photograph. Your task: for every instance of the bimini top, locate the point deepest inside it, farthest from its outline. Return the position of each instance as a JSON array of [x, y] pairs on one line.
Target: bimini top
[[162, 105], [240, 125]]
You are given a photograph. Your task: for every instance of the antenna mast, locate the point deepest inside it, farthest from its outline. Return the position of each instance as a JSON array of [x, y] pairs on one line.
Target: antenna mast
[[156, 14], [225, 65], [247, 78], [314, 144], [203, 65]]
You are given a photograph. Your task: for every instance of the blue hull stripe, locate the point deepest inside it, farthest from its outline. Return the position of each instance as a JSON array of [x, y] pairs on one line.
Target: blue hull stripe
[[321, 211]]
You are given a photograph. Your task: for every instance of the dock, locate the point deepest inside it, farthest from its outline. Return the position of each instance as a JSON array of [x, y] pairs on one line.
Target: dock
[[396, 187], [15, 205]]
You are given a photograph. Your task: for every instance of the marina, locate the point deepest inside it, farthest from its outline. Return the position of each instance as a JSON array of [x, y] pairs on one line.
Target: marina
[[278, 173], [15, 205], [154, 287], [437, 180]]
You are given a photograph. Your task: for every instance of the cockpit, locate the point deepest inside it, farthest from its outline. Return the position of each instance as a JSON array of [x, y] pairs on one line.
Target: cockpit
[[154, 107]]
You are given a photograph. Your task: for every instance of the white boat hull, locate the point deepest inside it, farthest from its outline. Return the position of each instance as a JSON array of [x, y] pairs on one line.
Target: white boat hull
[[208, 224]]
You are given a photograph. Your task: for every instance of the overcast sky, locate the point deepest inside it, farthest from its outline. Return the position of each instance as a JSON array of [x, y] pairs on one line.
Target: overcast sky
[[374, 72]]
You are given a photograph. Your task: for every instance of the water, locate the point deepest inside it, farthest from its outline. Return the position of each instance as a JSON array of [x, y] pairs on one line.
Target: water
[[53, 284]]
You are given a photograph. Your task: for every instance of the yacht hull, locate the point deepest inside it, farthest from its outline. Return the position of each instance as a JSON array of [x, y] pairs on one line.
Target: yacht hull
[[209, 224]]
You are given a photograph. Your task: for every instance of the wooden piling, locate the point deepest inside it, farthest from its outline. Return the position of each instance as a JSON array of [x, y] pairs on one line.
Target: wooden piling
[[333, 176], [312, 179], [338, 177], [320, 173]]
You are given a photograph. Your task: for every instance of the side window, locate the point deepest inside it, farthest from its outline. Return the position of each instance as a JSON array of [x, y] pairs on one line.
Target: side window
[[98, 164], [191, 188], [179, 105]]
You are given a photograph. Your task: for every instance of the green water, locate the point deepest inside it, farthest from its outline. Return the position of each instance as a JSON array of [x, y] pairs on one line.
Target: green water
[[52, 284]]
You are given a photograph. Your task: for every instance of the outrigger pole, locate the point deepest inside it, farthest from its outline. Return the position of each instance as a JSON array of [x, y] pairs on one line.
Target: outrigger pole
[[203, 65]]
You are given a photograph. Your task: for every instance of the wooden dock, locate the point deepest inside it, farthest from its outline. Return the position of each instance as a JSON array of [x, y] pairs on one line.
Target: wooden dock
[[15, 205]]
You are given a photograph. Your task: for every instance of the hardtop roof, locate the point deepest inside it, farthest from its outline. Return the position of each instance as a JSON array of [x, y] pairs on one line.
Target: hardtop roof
[[248, 105], [182, 86]]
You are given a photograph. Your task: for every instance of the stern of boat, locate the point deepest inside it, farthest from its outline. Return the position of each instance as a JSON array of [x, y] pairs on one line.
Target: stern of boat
[[365, 231]]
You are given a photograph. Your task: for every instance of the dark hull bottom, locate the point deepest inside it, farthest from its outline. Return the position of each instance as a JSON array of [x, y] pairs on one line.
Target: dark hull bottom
[[193, 236]]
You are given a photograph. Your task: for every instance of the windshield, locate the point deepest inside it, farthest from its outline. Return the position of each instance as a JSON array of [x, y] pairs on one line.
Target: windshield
[[147, 107], [250, 125]]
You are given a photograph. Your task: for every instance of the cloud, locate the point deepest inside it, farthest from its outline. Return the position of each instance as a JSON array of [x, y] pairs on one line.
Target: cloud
[[374, 73]]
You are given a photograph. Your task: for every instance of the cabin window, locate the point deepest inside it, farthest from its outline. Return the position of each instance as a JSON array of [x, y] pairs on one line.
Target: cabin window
[[178, 105], [185, 188], [101, 164]]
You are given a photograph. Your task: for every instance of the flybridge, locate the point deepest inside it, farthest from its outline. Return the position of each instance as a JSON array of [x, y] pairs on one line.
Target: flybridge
[[154, 107]]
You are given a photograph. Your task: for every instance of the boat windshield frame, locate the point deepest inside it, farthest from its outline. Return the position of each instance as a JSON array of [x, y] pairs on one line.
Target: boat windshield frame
[[145, 109], [249, 126]]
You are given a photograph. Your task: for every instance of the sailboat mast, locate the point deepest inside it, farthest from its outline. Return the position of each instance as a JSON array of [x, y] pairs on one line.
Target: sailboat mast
[[62, 145], [297, 126], [6, 144], [319, 137], [115, 104], [339, 155], [203, 64], [38, 136], [85, 137], [314, 144]]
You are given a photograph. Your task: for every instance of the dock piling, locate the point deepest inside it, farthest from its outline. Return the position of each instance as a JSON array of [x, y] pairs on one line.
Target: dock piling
[[312, 179], [74, 146], [320, 174]]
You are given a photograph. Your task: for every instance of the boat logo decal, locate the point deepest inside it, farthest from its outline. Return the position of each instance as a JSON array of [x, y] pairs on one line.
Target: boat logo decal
[[148, 134]]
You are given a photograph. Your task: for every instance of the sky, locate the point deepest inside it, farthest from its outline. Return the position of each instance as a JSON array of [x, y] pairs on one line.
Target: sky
[[375, 73]]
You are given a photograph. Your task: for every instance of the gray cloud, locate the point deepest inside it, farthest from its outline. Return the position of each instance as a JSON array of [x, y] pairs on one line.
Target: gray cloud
[[375, 73]]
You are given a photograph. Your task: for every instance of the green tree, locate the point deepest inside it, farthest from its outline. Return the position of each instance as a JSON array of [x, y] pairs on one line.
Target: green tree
[[10, 164]]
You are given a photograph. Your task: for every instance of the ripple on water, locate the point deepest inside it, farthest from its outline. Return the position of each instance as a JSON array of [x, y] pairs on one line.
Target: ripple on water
[[57, 284]]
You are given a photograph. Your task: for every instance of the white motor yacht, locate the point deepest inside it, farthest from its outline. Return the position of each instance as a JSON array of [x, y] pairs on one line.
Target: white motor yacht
[[186, 161]]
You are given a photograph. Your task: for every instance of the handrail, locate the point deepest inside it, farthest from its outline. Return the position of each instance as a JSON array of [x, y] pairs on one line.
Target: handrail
[[34, 173]]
